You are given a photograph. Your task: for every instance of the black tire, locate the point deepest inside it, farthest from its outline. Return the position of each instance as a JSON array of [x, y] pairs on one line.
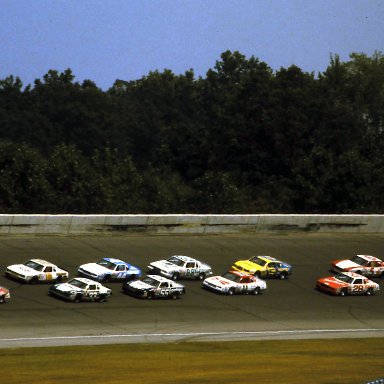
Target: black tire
[[102, 298], [175, 276], [34, 280], [59, 279], [149, 296], [283, 276], [2, 299], [77, 298], [201, 276], [231, 292], [107, 279], [256, 291], [370, 292], [382, 276], [343, 292], [257, 274], [175, 295]]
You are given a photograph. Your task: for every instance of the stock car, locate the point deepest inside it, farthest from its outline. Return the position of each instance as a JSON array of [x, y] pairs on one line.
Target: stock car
[[154, 286], [4, 294], [36, 270], [108, 269], [81, 289], [347, 283], [235, 282], [177, 267], [362, 264], [264, 266]]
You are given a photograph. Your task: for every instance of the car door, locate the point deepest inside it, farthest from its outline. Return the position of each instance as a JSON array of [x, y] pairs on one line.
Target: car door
[[191, 270], [92, 291], [271, 269], [357, 286]]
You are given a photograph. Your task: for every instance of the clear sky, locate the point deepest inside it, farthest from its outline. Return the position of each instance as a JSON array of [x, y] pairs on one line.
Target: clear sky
[[105, 40]]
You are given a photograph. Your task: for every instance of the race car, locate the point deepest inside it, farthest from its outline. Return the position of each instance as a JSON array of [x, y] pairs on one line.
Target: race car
[[177, 267], [81, 289], [234, 282], [154, 286], [36, 270], [264, 266], [4, 294], [347, 283], [362, 264], [108, 269]]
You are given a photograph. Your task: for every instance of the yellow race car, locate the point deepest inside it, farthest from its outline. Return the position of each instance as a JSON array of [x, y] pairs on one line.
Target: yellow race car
[[264, 266]]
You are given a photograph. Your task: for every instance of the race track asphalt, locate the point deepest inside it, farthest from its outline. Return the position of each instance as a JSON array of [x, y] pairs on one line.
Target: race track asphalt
[[288, 309]]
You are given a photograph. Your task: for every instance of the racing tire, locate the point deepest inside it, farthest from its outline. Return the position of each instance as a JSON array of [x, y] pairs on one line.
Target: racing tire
[[150, 296], [59, 279], [34, 280], [382, 276], [256, 291], [107, 279], [201, 277], [257, 274], [283, 276], [2, 299], [231, 292], [370, 292], [77, 298], [175, 276], [102, 298], [175, 296], [343, 292]]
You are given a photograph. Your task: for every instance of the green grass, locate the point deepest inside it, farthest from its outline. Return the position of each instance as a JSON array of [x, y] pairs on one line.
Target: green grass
[[303, 361]]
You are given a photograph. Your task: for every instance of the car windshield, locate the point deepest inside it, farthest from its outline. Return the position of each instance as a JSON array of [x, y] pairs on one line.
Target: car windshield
[[231, 276], [148, 280], [344, 278], [358, 260], [175, 260], [107, 264], [77, 283], [34, 265], [258, 261]]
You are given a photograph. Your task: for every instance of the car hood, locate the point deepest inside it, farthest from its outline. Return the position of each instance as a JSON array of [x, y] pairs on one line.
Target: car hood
[[23, 269], [165, 265], [347, 264], [333, 282], [138, 284], [219, 281], [95, 268], [65, 287]]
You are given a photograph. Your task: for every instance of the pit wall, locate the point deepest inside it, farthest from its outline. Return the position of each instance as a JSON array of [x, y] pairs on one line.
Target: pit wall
[[187, 224]]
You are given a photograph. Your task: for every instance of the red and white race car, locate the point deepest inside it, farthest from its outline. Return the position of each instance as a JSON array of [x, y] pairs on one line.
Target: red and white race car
[[4, 294], [347, 283], [235, 282], [362, 264]]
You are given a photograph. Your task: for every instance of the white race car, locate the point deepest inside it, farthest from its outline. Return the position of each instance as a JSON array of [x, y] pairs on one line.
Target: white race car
[[177, 267], [154, 286], [36, 270], [81, 289], [234, 282], [108, 269]]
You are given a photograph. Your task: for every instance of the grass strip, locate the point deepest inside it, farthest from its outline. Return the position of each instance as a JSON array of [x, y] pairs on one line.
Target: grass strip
[[325, 361]]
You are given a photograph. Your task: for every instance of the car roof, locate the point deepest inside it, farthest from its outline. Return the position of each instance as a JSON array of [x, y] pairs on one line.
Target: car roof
[[369, 257], [160, 278], [115, 261], [84, 280], [184, 258], [352, 274], [43, 262], [238, 273]]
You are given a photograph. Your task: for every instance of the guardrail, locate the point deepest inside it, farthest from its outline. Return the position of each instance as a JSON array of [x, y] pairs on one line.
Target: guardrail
[[187, 224]]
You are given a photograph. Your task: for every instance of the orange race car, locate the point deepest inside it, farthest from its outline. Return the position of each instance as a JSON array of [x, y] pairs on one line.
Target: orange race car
[[347, 283]]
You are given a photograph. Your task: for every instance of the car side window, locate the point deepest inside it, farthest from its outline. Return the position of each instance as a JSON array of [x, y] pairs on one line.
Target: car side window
[[358, 281], [164, 285], [48, 269], [92, 287], [121, 268], [190, 265]]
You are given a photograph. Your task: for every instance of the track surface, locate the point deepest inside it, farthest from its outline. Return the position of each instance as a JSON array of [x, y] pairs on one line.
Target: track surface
[[288, 309]]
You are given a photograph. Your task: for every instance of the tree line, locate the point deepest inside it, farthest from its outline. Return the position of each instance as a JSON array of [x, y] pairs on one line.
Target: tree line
[[241, 139]]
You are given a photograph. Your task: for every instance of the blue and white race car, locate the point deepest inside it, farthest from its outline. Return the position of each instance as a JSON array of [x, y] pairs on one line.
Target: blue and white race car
[[109, 269]]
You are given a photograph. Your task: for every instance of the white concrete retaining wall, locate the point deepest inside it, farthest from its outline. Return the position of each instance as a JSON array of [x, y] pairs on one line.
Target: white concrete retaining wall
[[187, 224]]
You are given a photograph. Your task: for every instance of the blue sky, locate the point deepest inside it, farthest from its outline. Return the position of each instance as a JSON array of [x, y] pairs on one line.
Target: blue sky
[[105, 40]]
